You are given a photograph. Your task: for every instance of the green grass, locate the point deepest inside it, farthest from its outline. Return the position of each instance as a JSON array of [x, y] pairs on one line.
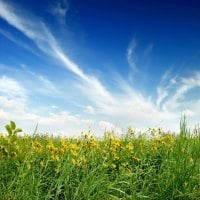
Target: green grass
[[163, 166]]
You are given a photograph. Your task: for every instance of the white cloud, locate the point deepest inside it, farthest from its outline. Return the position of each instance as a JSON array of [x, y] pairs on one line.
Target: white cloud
[[41, 84], [54, 107], [48, 85], [185, 85], [166, 84], [14, 108], [57, 118], [13, 104], [148, 50], [106, 126], [11, 88], [90, 110], [3, 116], [54, 123], [59, 10], [131, 55]]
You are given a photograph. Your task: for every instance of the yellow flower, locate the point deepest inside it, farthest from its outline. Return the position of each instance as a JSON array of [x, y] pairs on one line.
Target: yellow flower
[[190, 159], [105, 165], [163, 143], [51, 147], [74, 153], [61, 151], [83, 160], [116, 157], [25, 138], [113, 166], [159, 131], [154, 147], [28, 166], [36, 145], [129, 146], [57, 170], [136, 159], [85, 135], [131, 131], [158, 139], [14, 154], [74, 162], [105, 158], [55, 158], [62, 142], [128, 170], [73, 147], [4, 150], [42, 163], [124, 164]]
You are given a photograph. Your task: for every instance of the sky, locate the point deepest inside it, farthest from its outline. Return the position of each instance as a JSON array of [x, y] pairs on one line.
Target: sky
[[72, 65]]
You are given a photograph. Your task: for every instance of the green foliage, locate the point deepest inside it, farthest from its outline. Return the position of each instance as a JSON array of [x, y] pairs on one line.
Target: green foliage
[[12, 125], [12, 130], [9, 130], [183, 126], [163, 166]]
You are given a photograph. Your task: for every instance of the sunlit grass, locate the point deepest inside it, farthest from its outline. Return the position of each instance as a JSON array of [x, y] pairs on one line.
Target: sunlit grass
[[163, 166]]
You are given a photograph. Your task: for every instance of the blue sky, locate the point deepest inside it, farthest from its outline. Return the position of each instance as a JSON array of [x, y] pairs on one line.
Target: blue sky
[[72, 65]]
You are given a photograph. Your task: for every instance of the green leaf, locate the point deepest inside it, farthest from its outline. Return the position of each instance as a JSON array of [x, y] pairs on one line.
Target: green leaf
[[12, 125], [35, 131], [18, 130], [7, 127]]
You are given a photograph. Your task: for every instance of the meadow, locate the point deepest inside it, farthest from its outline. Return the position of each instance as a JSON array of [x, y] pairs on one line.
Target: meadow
[[161, 166]]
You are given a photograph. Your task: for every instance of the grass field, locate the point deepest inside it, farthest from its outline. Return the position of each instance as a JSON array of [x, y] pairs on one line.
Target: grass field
[[163, 166]]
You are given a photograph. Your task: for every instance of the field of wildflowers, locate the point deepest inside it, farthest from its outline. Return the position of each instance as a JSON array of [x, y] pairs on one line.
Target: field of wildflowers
[[163, 166]]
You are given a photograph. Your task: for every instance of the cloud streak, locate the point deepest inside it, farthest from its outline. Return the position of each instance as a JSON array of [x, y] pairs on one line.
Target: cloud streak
[[39, 33], [186, 84], [131, 55], [59, 10]]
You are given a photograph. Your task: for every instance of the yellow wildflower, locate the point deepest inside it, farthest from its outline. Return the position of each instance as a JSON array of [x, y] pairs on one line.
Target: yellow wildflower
[[105, 165], [14, 154], [113, 166], [83, 160], [74, 162], [116, 157], [28, 166], [135, 158], [123, 165], [74, 153], [42, 163], [129, 146], [55, 158], [190, 159]]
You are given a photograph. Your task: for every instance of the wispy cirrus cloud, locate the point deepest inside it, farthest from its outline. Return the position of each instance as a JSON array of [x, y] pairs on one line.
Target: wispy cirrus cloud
[[167, 83], [185, 85], [45, 86], [131, 57], [37, 31], [10, 36], [59, 9]]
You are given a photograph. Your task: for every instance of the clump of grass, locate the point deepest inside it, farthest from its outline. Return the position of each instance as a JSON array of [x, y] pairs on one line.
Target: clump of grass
[[164, 166]]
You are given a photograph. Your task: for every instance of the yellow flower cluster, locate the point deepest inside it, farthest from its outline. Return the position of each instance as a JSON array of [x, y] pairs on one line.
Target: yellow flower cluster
[[111, 153]]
